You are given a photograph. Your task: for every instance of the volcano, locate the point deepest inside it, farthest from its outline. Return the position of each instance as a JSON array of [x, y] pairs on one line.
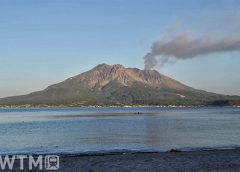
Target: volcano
[[116, 85]]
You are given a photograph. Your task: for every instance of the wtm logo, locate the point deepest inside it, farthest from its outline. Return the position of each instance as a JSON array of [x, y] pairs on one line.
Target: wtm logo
[[22, 162]]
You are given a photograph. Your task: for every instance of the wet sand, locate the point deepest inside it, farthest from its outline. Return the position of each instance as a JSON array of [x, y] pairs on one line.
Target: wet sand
[[193, 161]]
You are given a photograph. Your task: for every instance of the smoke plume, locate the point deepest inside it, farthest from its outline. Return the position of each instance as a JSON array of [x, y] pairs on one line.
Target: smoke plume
[[185, 46]]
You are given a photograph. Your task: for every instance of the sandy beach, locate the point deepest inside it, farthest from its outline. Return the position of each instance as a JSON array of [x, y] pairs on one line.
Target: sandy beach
[[211, 160]]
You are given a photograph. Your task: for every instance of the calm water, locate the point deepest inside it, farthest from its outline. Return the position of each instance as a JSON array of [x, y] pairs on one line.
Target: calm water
[[75, 130]]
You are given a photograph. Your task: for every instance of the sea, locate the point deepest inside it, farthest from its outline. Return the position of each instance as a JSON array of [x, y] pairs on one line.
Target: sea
[[143, 129]]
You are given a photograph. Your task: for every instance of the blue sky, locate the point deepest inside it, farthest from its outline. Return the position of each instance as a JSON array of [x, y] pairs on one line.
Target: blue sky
[[46, 41]]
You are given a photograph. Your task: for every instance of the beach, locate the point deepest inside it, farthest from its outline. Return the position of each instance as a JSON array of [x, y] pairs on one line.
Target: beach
[[211, 160], [216, 160]]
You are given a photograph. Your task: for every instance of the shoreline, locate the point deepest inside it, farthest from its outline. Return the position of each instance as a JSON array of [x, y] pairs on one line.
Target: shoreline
[[227, 160], [59, 107], [210, 160], [125, 151]]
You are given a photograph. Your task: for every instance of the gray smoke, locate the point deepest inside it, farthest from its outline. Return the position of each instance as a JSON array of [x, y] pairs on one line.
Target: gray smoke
[[186, 46]]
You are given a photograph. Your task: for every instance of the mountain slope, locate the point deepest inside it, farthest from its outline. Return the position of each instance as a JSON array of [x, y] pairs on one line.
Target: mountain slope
[[116, 85]]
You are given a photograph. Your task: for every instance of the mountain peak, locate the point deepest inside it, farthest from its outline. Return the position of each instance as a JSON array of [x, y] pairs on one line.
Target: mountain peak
[[103, 74], [104, 65]]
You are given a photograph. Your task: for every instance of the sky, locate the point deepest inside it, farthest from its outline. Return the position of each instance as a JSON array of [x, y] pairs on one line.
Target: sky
[[44, 42]]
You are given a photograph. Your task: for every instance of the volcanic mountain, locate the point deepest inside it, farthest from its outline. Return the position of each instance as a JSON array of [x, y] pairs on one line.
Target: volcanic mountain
[[116, 85]]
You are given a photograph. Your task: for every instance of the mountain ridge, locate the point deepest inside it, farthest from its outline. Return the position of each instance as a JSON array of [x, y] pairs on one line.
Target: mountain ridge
[[104, 73]]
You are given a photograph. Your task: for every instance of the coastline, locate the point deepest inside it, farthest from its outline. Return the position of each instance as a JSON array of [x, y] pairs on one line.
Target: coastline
[[100, 106], [137, 106], [215, 160], [204, 160]]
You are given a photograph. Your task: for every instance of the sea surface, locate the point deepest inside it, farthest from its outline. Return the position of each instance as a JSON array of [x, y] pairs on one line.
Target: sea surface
[[83, 130]]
